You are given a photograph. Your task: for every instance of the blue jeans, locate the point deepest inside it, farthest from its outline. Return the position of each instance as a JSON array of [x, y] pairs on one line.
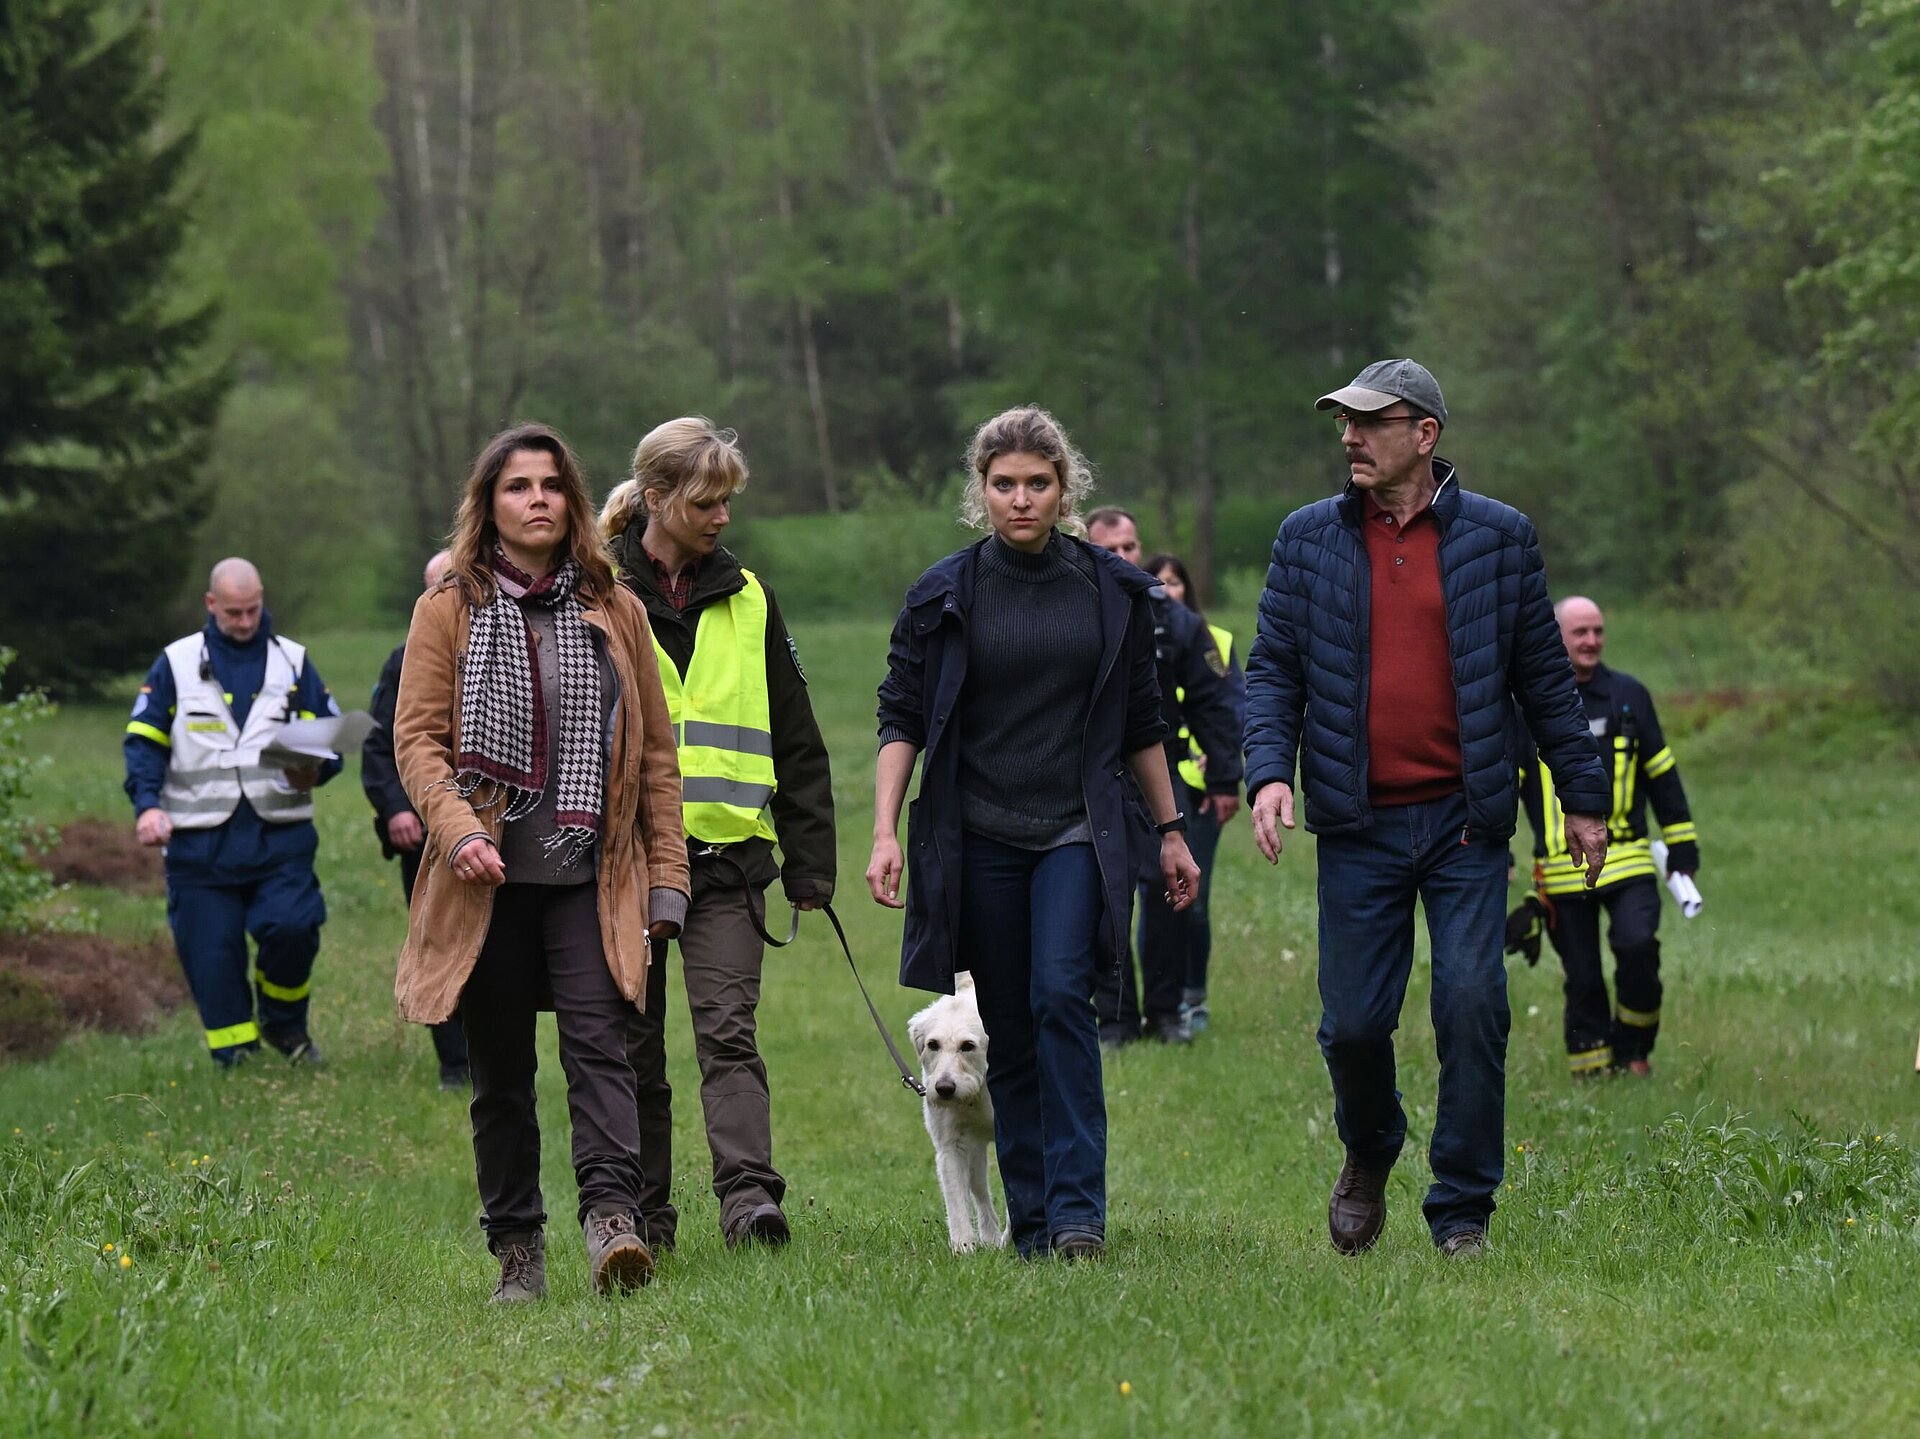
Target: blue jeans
[[1368, 883], [1029, 930]]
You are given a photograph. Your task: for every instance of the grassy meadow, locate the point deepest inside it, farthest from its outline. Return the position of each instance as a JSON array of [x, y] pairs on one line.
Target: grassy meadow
[[1730, 1248]]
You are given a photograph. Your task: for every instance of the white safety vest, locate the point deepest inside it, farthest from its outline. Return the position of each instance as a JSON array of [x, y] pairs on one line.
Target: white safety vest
[[214, 761]]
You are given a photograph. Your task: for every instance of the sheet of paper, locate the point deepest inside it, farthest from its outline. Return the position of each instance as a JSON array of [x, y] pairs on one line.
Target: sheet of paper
[[299, 744]]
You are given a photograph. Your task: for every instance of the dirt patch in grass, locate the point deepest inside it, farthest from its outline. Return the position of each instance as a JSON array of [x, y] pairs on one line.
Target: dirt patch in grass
[[53, 983], [97, 852]]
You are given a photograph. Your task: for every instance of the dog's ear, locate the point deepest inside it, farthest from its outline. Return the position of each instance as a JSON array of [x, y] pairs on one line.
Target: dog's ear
[[917, 1030]]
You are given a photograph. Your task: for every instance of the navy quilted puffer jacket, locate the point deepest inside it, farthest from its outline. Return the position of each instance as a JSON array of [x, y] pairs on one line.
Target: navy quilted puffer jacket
[[1307, 674]]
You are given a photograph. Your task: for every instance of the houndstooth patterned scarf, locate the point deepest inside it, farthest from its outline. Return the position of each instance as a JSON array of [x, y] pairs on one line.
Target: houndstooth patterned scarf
[[503, 715]]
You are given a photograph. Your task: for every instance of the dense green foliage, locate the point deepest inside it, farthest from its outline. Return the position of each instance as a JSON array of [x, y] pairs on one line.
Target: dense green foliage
[[105, 399], [1673, 287], [1659, 255], [1728, 1249], [21, 881]]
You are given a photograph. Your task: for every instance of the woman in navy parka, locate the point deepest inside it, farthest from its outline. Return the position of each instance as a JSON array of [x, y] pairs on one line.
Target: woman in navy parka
[[1023, 668]]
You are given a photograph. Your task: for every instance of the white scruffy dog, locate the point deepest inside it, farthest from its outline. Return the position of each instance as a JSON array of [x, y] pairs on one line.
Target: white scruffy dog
[[952, 1045]]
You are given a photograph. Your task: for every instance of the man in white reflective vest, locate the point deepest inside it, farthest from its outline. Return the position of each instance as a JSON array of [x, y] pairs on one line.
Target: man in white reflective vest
[[754, 772], [238, 836]]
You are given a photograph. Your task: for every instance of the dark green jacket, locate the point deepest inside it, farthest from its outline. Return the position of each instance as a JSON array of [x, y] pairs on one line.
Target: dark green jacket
[[803, 802]]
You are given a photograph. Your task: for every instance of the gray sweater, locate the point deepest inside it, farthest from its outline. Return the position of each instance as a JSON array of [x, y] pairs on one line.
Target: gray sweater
[[1033, 656]]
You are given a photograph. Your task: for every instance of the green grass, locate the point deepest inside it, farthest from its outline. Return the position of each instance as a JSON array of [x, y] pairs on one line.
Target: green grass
[[1672, 1257]]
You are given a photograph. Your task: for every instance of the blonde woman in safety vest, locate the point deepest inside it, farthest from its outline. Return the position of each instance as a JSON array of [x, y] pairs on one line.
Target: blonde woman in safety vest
[[238, 835], [754, 773]]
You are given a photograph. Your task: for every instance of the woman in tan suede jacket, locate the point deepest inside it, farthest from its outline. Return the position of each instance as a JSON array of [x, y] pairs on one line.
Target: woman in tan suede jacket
[[532, 736]]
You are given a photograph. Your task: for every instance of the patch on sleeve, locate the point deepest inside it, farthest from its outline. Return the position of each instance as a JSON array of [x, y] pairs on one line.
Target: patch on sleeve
[[1216, 662], [793, 649]]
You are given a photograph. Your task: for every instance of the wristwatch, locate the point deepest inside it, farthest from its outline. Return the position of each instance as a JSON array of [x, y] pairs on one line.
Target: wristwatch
[[1176, 825]]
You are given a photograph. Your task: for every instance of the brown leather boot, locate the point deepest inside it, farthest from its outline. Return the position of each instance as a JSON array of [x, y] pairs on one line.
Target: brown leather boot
[[617, 1257], [523, 1267], [1357, 1211]]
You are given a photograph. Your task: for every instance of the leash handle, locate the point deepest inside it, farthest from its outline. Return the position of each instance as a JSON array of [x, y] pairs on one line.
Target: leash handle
[[907, 1076]]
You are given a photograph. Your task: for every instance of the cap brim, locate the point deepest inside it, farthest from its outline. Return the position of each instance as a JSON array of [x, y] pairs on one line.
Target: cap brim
[[1356, 398]]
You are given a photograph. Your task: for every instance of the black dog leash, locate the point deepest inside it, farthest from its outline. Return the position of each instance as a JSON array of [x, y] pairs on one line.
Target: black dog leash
[[907, 1076]]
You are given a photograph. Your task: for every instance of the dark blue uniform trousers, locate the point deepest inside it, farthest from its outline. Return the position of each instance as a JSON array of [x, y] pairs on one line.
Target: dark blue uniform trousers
[[246, 877]]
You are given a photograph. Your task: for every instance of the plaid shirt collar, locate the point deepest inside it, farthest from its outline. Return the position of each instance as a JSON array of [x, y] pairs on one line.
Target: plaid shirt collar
[[678, 589]]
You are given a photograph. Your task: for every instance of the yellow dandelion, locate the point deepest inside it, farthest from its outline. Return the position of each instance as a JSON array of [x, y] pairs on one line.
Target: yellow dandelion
[[1125, 1387], [193, 1163], [149, 1134], [173, 1084], [106, 1249], [1849, 1221], [205, 1159], [1519, 1149], [126, 1262]]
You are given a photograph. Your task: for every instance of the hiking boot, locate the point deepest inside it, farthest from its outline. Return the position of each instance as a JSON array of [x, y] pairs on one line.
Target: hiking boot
[[1357, 1210], [455, 1078], [523, 1267], [298, 1046], [617, 1257], [1193, 1004], [763, 1224], [1172, 1029], [239, 1057], [1465, 1244], [1072, 1244]]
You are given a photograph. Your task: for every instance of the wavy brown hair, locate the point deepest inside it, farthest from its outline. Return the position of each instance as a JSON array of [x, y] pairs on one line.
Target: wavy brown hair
[[1026, 429], [472, 540]]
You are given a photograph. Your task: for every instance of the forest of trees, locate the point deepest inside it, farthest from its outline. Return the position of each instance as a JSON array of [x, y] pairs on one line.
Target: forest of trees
[[1664, 257]]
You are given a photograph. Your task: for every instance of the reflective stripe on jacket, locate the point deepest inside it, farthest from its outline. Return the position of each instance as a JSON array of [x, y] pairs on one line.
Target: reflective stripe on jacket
[[1641, 771], [1190, 771], [722, 720], [213, 761]]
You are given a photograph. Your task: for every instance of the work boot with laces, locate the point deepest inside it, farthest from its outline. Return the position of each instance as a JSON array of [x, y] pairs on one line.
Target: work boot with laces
[[1357, 1210], [523, 1267], [617, 1257]]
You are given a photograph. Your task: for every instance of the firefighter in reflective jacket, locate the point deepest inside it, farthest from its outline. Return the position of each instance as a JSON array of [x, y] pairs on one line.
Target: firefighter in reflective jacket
[[238, 836], [1621, 715], [754, 771]]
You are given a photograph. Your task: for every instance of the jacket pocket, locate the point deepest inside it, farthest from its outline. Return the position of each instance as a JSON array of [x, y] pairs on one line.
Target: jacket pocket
[[923, 879]]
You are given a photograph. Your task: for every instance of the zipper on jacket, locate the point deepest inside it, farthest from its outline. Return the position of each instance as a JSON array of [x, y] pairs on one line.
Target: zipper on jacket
[[1086, 732]]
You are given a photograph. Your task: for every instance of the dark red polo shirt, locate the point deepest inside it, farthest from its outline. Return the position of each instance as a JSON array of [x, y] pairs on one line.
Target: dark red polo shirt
[[1413, 721]]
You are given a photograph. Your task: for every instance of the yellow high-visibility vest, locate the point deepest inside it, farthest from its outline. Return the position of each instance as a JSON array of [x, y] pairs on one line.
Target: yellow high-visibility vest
[[1190, 770], [722, 722]]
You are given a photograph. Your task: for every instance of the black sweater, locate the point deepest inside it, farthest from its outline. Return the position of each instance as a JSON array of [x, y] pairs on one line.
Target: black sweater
[[1033, 652]]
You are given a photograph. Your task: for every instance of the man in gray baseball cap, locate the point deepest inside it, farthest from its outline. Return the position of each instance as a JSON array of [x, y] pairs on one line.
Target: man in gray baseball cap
[[1404, 620], [1385, 381]]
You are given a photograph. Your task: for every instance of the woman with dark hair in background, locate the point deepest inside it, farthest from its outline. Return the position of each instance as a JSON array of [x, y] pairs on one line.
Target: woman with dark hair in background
[[1192, 929], [1023, 668], [532, 737]]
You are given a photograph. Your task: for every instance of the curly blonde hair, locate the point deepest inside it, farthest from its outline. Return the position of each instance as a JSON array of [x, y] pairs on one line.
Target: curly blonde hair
[[1027, 429], [688, 461]]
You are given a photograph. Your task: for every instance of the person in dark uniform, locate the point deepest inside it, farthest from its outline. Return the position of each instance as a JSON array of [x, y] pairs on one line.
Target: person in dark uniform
[[1603, 1037], [399, 828], [238, 835], [1199, 697]]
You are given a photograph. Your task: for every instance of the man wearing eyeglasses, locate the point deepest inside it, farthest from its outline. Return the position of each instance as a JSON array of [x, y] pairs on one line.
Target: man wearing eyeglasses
[[1402, 621]]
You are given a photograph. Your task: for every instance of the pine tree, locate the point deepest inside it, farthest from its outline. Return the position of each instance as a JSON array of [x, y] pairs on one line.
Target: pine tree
[[106, 399]]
